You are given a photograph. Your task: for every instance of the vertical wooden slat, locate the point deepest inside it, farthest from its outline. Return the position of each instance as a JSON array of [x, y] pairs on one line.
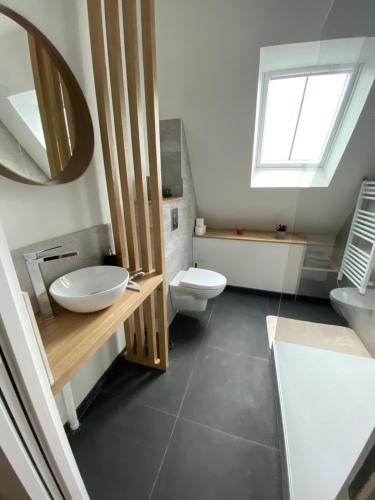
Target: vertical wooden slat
[[55, 107], [69, 114], [129, 336], [106, 133], [153, 138], [135, 110], [153, 133], [140, 336], [51, 146], [51, 105], [163, 340], [149, 309], [116, 71]]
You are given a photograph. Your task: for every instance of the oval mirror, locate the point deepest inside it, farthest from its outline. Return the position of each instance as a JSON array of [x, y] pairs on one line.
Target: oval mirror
[[46, 133]]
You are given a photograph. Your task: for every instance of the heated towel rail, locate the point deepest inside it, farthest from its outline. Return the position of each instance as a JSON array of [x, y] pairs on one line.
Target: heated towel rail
[[359, 255]]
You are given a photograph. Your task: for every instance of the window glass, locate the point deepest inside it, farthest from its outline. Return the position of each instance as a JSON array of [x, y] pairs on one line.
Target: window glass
[[321, 104], [300, 115], [283, 104]]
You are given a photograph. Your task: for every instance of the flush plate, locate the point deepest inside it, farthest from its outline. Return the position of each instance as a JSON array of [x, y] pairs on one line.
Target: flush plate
[[174, 218]]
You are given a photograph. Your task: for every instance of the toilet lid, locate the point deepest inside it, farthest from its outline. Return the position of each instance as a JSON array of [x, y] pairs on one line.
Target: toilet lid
[[203, 279]]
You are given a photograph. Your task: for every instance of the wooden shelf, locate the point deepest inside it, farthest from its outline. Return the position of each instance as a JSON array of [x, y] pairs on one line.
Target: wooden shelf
[[332, 269], [172, 199], [70, 339], [264, 236]]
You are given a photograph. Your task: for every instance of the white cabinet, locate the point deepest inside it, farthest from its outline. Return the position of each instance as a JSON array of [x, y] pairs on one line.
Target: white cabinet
[[252, 264]]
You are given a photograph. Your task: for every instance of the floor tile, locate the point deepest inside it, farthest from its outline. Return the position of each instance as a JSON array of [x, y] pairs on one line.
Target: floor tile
[[232, 393], [187, 328], [243, 299], [239, 330], [305, 310], [205, 464], [119, 447], [160, 390]]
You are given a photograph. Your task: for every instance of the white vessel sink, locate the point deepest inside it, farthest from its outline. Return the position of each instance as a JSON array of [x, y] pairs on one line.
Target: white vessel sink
[[90, 289]]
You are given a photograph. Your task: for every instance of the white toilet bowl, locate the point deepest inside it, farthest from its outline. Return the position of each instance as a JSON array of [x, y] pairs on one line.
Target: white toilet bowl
[[191, 289]]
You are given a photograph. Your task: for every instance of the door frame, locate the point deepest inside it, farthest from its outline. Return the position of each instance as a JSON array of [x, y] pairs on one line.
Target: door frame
[[18, 458]]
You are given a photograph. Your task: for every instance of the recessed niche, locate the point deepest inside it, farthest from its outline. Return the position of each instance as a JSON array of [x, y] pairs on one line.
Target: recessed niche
[[171, 157]]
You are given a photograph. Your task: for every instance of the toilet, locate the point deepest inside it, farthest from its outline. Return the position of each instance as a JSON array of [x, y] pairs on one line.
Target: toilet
[[190, 290]]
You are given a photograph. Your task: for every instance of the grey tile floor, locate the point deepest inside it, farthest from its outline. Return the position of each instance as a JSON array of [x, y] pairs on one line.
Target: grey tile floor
[[205, 429]]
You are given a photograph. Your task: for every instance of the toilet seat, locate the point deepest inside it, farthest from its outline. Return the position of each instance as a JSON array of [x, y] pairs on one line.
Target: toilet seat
[[202, 279]]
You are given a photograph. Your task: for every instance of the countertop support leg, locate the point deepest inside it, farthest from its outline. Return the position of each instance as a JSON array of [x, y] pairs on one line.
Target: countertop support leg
[[70, 406]]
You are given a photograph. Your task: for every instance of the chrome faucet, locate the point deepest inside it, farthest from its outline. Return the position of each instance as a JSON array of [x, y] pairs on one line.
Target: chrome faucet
[[33, 260]]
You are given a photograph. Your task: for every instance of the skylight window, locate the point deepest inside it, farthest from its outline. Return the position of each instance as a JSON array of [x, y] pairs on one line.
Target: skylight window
[[300, 115], [310, 98]]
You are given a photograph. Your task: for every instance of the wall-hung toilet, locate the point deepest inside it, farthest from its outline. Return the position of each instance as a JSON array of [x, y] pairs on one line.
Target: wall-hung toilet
[[191, 289]]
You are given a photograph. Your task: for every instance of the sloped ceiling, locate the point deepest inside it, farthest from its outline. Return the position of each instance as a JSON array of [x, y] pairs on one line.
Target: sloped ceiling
[[208, 55]]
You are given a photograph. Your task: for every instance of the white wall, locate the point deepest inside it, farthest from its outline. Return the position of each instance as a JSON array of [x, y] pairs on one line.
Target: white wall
[[208, 55], [30, 214], [177, 242]]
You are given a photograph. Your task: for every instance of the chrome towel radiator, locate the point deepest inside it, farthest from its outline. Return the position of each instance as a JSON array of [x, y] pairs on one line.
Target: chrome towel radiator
[[359, 256]]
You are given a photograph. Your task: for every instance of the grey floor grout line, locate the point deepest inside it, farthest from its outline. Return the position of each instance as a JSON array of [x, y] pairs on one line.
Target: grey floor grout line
[[170, 437], [138, 403], [236, 436], [178, 412], [245, 355]]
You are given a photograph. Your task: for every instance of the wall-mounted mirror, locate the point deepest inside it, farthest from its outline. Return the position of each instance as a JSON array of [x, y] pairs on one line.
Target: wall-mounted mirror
[[46, 133]]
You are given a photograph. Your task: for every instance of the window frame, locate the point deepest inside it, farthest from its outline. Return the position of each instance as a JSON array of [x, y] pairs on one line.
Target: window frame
[[354, 69]]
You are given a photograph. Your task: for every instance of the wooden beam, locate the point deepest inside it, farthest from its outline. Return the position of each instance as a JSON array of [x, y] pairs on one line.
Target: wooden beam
[[106, 132], [55, 108], [153, 133], [37, 68], [124, 158], [153, 138], [129, 336], [151, 335], [140, 337], [129, 12], [69, 114], [163, 338]]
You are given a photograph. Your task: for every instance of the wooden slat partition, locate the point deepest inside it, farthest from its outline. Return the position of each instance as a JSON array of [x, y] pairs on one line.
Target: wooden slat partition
[[153, 140], [44, 86], [153, 133], [69, 114], [146, 332], [129, 9], [49, 91], [151, 328], [55, 102], [115, 63], [106, 132]]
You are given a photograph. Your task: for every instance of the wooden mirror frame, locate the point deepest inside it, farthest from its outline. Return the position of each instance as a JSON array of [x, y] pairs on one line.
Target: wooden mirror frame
[[84, 144]]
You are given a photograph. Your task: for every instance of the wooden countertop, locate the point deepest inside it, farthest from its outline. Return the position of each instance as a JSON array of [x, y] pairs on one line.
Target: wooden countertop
[[171, 199], [70, 339], [265, 236]]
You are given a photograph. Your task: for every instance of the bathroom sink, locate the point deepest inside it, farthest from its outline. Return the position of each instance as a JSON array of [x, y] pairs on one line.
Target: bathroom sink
[[90, 289]]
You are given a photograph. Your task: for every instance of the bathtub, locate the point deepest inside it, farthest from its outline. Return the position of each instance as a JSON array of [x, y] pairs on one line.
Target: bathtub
[[359, 312]]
